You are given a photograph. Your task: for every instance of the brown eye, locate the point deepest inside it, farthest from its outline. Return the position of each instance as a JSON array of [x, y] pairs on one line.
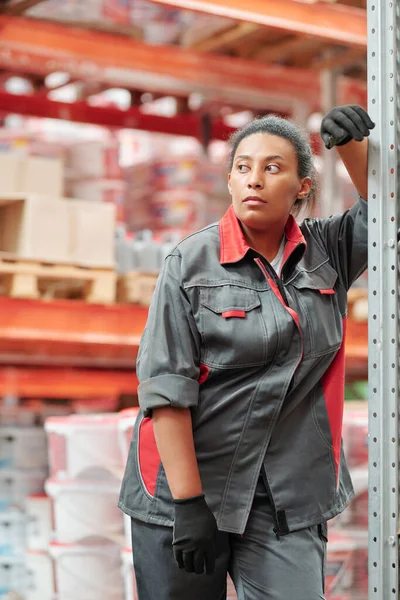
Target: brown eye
[[273, 168], [241, 167]]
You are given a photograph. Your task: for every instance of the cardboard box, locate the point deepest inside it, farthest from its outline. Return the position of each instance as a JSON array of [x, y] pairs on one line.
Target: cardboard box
[[31, 175], [92, 226], [34, 227], [39, 175], [10, 165], [93, 160]]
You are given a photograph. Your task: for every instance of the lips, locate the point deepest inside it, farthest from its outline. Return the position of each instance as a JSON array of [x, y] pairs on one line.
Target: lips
[[254, 200]]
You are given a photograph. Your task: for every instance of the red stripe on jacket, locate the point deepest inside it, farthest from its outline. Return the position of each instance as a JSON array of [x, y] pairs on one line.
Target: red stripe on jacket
[[149, 458], [333, 386]]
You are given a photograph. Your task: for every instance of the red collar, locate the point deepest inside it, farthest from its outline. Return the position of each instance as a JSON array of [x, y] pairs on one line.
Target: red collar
[[233, 243]]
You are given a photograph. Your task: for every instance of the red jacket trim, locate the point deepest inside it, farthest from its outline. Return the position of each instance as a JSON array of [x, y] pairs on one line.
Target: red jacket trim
[[149, 458], [239, 314], [204, 371], [233, 244], [333, 386]]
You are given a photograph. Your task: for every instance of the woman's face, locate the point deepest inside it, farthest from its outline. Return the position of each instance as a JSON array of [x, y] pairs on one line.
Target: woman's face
[[264, 181]]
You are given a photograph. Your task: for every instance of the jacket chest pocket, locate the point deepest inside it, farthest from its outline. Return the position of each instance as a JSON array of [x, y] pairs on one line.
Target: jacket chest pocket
[[318, 308], [232, 327]]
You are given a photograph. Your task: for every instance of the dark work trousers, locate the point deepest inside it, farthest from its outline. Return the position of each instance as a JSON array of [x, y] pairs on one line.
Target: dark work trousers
[[262, 567]]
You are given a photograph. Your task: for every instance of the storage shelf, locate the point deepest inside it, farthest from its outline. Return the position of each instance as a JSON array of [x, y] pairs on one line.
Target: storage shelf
[[59, 382], [70, 333], [71, 348]]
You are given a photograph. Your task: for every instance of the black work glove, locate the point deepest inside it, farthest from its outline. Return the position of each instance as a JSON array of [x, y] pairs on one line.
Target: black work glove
[[345, 123], [195, 532]]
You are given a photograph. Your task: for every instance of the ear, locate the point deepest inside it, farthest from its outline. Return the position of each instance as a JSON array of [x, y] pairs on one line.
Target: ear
[[305, 188], [229, 184]]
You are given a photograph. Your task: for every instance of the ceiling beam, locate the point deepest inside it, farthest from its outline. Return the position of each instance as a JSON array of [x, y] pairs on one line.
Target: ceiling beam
[[333, 22], [41, 48], [222, 39], [281, 51], [340, 60]]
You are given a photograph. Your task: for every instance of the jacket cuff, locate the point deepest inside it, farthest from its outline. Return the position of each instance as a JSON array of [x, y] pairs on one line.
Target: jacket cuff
[[167, 390]]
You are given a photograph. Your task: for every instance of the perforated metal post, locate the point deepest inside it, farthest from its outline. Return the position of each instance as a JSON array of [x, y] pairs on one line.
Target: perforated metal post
[[383, 106]]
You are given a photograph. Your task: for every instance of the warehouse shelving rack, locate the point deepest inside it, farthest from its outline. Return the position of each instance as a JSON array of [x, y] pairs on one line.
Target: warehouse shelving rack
[[269, 57]]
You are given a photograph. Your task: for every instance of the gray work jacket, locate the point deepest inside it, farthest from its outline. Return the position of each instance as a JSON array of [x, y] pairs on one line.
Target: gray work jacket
[[259, 360]]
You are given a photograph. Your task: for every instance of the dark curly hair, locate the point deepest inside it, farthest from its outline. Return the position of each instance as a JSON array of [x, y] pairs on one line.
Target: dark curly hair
[[284, 128]]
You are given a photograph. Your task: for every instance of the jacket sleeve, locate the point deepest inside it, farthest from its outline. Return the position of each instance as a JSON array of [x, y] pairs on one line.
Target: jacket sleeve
[[167, 365], [345, 238]]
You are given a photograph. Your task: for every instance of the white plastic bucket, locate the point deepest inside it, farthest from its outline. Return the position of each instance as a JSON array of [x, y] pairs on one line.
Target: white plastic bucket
[[126, 423], [12, 533], [84, 509], [84, 444], [129, 574], [88, 572], [23, 448], [39, 522], [127, 531], [12, 576], [15, 486], [40, 577]]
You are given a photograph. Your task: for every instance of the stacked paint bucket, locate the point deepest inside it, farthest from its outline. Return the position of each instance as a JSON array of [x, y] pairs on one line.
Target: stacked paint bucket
[[23, 470], [88, 539], [347, 557]]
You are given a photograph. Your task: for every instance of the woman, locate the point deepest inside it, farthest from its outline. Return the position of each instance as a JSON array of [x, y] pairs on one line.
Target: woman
[[236, 461]]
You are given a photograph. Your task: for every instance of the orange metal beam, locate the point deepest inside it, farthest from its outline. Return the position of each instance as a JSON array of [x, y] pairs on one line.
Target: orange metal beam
[[37, 47], [65, 383], [70, 333], [333, 22]]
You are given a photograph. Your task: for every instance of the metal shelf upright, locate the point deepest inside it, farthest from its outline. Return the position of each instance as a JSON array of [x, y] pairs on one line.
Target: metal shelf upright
[[383, 280]]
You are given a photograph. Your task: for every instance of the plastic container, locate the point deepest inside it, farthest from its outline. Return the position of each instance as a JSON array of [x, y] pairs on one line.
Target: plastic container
[[39, 522], [182, 209], [85, 509], [340, 565], [13, 577], [146, 252], [40, 577], [126, 423], [84, 445], [93, 159], [177, 172], [23, 448], [355, 436], [12, 533], [127, 531], [88, 572], [15, 486], [129, 575]]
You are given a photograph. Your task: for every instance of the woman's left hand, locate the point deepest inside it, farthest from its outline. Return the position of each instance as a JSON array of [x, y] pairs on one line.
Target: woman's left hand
[[345, 123]]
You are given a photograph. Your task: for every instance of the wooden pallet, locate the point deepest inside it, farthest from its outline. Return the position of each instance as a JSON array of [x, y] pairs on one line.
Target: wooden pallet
[[136, 287], [34, 279]]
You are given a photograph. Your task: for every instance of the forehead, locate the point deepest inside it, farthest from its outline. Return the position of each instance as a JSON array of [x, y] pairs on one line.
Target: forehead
[[265, 144]]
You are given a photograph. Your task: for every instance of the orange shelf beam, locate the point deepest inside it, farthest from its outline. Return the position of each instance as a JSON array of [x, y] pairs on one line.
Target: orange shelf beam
[[65, 383], [34, 47], [70, 333], [336, 23]]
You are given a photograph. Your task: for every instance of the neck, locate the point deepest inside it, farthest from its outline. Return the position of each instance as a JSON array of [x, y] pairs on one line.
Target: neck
[[266, 243]]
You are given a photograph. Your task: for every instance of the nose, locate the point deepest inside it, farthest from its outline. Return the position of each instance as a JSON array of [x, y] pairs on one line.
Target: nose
[[255, 181]]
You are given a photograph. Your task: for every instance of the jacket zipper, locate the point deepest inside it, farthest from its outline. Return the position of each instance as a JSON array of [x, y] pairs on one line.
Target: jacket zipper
[[272, 502], [271, 272]]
